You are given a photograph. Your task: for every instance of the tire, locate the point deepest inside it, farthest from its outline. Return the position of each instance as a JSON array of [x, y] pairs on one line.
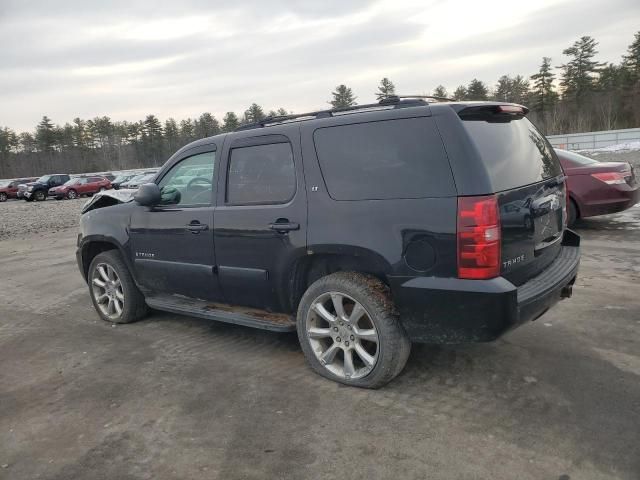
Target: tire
[[40, 196], [132, 304], [572, 213], [387, 354], [3, 197], [72, 194], [102, 189]]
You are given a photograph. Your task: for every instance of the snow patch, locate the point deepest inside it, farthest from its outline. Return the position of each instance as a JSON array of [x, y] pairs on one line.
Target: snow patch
[[620, 147]]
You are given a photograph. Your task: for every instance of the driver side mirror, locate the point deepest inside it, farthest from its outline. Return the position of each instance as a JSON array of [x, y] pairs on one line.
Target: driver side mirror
[[148, 195]]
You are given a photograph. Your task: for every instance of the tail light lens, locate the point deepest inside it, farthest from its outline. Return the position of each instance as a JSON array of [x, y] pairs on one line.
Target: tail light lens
[[611, 178], [478, 237]]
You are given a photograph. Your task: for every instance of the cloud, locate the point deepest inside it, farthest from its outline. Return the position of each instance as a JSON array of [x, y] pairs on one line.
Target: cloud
[[126, 59]]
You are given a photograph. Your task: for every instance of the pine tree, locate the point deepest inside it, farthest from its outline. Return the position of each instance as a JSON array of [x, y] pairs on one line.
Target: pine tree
[[206, 126], [460, 93], [631, 61], [543, 96], [230, 122], [440, 91], [477, 90], [578, 73], [172, 134], [187, 131], [343, 97], [514, 90], [253, 114], [385, 89], [45, 135]]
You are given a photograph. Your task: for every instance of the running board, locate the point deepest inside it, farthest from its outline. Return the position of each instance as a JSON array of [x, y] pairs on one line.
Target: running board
[[248, 317]]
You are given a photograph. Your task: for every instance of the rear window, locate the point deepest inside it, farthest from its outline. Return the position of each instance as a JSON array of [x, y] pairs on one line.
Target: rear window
[[388, 159], [514, 152]]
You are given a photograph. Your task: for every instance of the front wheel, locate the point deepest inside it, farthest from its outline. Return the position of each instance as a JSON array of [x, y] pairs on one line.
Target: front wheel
[[3, 197], [72, 194], [40, 196], [114, 294], [349, 330]]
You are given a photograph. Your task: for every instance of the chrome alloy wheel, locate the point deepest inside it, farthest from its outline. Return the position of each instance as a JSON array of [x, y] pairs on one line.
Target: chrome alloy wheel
[[342, 335], [106, 289]]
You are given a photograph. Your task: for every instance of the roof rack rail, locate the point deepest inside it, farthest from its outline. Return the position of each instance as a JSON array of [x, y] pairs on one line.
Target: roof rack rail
[[393, 101]]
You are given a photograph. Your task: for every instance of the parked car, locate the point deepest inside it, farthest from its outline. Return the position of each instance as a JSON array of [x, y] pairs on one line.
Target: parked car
[[120, 179], [598, 188], [138, 180], [39, 189], [364, 229], [9, 188], [80, 186]]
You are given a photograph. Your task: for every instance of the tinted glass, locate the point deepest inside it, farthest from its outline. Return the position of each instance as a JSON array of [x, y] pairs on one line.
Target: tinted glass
[[382, 160], [514, 152], [576, 159], [261, 174], [44, 179], [189, 182]]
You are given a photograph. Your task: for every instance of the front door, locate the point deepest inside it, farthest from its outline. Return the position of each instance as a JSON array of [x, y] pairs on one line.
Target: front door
[[172, 243], [261, 217]]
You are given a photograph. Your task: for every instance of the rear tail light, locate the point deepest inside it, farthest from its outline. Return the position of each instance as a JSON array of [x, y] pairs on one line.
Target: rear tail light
[[611, 178], [478, 237]]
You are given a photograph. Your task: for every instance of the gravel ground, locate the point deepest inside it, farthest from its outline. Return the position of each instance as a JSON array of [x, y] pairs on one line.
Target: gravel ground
[[20, 219], [173, 397]]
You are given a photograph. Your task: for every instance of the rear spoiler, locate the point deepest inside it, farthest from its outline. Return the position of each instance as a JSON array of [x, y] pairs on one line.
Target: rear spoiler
[[502, 112]]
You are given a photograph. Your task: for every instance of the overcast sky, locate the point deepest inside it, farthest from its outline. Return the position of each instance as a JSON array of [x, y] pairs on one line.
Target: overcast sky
[[126, 59]]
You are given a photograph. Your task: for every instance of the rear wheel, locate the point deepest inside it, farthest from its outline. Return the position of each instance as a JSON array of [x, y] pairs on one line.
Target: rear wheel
[[72, 194], [349, 331], [114, 294], [573, 212], [40, 196], [3, 197]]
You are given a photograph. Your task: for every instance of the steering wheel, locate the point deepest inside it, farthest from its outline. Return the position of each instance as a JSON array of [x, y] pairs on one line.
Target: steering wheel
[[194, 195]]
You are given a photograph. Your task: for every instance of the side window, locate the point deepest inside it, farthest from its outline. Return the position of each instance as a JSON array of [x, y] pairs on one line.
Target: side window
[[261, 174], [189, 182], [388, 159]]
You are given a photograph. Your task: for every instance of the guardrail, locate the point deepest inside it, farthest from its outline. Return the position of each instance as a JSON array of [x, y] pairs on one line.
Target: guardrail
[[591, 140]]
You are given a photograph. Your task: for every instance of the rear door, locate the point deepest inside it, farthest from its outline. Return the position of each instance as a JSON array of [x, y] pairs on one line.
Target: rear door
[[525, 172], [261, 216]]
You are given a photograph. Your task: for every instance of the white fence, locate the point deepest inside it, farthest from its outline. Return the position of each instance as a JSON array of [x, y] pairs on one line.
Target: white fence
[[589, 140]]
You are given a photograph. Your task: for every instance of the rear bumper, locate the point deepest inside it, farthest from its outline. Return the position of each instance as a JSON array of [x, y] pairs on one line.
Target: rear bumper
[[451, 310], [617, 199]]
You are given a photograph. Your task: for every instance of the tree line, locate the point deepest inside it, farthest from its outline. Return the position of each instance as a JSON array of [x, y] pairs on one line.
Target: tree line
[[585, 95]]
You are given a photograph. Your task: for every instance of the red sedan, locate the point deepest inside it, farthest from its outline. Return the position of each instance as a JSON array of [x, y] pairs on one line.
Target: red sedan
[[9, 188], [79, 186], [598, 188]]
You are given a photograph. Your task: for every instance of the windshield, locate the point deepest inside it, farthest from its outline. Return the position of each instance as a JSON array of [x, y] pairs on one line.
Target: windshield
[[73, 181], [576, 158], [121, 178], [135, 179], [44, 179], [4, 184]]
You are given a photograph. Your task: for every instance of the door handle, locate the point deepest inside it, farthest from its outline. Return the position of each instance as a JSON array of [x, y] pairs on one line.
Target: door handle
[[284, 226], [197, 227]]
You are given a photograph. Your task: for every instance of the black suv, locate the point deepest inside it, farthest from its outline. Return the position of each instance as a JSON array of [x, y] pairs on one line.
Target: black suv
[[364, 229], [39, 189]]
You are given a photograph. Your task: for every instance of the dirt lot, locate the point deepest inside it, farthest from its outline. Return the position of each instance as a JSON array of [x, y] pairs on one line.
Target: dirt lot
[[175, 398]]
